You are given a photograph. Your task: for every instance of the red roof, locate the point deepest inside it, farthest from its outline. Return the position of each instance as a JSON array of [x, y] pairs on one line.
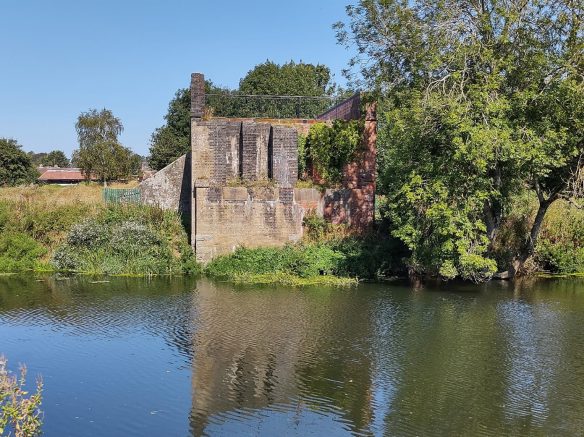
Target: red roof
[[62, 174]]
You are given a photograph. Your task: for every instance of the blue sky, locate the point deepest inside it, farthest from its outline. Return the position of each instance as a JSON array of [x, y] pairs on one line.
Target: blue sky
[[61, 57]]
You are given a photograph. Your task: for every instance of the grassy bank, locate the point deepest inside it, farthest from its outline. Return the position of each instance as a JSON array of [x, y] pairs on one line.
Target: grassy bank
[[327, 256], [53, 228]]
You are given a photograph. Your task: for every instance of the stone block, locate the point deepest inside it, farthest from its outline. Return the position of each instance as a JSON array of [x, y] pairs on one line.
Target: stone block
[[235, 194]]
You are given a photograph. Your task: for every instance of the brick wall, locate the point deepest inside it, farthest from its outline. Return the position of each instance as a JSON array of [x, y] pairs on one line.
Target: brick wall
[[225, 217]]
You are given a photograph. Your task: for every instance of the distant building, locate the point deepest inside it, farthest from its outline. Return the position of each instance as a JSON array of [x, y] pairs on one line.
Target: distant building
[[57, 175]]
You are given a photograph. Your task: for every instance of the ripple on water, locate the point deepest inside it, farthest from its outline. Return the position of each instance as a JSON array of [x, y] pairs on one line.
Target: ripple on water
[[161, 357]]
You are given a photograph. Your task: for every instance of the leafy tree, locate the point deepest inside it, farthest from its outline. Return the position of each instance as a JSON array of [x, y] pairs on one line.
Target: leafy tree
[[100, 154], [479, 100], [37, 158], [55, 158], [172, 140], [15, 165]]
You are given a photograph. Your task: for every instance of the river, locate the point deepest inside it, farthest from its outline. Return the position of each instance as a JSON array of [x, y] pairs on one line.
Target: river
[[183, 357]]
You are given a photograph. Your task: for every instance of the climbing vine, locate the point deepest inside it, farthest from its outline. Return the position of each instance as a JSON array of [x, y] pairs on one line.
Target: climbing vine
[[330, 147]]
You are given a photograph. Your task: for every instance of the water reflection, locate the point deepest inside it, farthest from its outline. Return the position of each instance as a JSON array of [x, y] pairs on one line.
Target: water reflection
[[177, 357]]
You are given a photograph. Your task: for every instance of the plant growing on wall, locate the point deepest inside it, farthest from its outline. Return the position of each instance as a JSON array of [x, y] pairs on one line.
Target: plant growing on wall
[[330, 147]]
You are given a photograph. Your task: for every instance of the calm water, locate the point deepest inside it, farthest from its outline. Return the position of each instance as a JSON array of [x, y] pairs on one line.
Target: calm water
[[134, 357]]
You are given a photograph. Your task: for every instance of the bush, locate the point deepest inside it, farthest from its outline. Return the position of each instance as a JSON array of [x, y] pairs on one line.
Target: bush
[[88, 233], [19, 252], [127, 239], [20, 414], [358, 258]]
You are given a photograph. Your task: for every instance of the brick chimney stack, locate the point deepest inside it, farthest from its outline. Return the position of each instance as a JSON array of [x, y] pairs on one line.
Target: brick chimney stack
[[197, 95]]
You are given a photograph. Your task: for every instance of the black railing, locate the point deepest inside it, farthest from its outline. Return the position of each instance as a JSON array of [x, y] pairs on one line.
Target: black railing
[[261, 106]]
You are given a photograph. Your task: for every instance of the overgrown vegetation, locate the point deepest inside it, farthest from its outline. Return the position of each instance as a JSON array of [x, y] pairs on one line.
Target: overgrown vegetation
[[561, 243], [58, 228], [127, 240], [328, 255], [16, 167], [479, 101], [20, 414], [329, 147]]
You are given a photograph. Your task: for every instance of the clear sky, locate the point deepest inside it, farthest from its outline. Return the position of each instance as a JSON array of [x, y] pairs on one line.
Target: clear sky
[[61, 57]]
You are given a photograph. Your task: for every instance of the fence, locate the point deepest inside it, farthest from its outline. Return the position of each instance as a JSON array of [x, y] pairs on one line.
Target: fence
[[255, 106], [122, 195]]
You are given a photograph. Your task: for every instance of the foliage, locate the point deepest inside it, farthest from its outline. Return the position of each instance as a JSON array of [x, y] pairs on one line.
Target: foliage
[[477, 101], [561, 240], [19, 412], [359, 258], [100, 154], [330, 147], [127, 239], [250, 265], [172, 140], [56, 158], [15, 165], [19, 252], [70, 227]]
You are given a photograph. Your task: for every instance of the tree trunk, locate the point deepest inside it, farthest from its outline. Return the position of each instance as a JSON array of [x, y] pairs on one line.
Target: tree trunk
[[528, 248]]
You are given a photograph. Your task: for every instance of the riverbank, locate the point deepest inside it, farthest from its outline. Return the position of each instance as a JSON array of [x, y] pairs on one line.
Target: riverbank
[[70, 229]]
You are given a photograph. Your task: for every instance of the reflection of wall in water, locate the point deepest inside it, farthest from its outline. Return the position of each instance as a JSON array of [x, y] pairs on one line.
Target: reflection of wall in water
[[258, 348]]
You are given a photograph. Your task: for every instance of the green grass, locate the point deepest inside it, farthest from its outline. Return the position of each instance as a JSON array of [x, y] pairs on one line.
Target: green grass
[[57, 229]]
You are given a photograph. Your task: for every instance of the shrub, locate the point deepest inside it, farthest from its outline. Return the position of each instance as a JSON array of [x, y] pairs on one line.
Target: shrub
[[88, 233], [19, 252], [331, 147], [19, 414], [127, 239]]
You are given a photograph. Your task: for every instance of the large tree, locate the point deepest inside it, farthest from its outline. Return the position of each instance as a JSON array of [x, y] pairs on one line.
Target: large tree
[[479, 99], [100, 154], [55, 158], [15, 165]]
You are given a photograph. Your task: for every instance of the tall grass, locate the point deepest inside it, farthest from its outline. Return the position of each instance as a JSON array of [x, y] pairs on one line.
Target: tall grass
[[70, 229]]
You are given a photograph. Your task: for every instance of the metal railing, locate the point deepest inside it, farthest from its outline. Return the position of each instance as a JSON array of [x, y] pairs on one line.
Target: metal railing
[[264, 106], [122, 195]]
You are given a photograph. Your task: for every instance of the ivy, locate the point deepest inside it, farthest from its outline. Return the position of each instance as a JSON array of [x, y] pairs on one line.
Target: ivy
[[330, 147]]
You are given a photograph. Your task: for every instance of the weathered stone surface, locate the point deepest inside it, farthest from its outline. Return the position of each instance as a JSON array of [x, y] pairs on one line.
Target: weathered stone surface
[[170, 187], [235, 194], [197, 95], [284, 156], [254, 161]]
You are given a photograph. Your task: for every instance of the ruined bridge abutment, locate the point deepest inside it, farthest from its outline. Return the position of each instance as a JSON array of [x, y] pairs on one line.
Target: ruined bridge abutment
[[238, 183]]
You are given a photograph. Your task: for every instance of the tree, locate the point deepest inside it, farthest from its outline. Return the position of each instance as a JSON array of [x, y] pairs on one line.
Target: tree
[[479, 100], [100, 154], [172, 140], [55, 158], [15, 165]]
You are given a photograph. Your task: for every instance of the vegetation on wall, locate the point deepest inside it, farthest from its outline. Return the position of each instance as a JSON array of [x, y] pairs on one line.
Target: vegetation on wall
[[329, 147]]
